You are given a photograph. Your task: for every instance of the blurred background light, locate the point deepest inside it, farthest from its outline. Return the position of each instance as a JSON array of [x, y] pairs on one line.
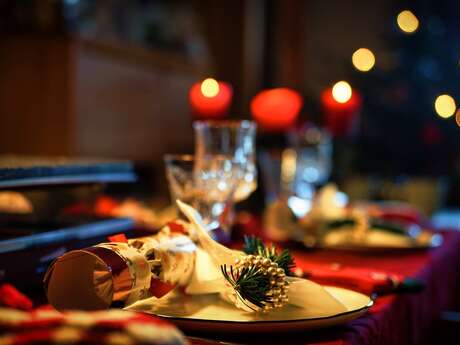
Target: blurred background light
[[210, 87], [363, 59], [299, 206], [445, 106], [341, 91], [457, 117], [288, 165], [407, 21]]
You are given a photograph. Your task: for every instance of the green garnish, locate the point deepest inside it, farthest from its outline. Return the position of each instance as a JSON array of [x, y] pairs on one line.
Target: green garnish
[[251, 284]]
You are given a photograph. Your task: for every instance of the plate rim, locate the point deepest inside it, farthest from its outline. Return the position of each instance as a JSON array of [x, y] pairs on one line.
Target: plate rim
[[364, 248], [364, 308]]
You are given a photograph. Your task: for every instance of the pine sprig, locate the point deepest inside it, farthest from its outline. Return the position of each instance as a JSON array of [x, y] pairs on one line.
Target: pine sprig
[[251, 284], [254, 245]]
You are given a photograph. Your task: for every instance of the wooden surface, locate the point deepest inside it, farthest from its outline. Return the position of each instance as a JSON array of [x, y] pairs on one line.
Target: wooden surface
[[129, 107], [37, 95]]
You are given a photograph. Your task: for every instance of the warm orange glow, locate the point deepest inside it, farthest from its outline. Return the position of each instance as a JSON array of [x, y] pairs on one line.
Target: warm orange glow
[[363, 59], [210, 99], [276, 109], [457, 117], [340, 117], [445, 106], [210, 87], [407, 22], [341, 91]]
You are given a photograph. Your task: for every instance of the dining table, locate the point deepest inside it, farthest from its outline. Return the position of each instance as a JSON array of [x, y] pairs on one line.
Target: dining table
[[398, 318]]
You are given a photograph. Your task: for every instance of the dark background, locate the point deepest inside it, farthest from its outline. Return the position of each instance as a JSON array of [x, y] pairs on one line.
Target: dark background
[[111, 78]]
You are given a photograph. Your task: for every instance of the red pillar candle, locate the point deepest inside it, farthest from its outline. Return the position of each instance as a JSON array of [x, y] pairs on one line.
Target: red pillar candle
[[277, 109], [341, 106], [210, 99]]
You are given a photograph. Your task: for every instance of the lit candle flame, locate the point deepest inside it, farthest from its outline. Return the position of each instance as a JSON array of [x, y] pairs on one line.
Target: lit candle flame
[[210, 87], [341, 92]]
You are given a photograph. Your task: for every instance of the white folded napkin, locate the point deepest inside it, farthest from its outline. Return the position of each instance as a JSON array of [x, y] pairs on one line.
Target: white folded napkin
[[207, 276]]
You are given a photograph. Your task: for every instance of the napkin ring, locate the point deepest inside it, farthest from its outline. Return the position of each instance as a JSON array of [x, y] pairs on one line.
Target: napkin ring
[[258, 282]]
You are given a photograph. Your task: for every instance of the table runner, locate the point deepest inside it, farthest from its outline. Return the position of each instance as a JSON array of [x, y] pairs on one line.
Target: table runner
[[394, 319]]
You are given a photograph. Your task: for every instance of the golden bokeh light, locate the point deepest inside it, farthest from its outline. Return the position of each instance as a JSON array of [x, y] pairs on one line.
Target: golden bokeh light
[[445, 106], [209, 87], [341, 91], [288, 165], [363, 59], [407, 21], [457, 117]]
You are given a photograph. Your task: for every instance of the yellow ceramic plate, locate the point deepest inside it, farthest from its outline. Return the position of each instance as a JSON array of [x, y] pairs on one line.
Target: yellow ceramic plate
[[208, 313]]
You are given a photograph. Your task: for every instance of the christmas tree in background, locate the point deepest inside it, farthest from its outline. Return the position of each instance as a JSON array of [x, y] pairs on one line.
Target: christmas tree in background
[[400, 128]]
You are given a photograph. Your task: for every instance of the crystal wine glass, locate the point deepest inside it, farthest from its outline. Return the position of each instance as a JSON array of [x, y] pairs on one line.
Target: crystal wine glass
[[312, 164], [230, 146], [210, 192], [314, 158]]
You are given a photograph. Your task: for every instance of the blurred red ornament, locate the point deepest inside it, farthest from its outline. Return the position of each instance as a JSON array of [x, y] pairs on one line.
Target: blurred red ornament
[[104, 206], [210, 99], [340, 116], [12, 298], [118, 238], [276, 109], [176, 227]]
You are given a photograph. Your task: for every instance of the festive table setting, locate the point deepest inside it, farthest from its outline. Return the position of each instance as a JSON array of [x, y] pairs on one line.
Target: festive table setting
[[311, 268]]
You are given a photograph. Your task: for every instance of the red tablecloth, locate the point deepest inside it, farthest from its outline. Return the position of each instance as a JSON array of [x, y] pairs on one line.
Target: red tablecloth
[[401, 319]]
